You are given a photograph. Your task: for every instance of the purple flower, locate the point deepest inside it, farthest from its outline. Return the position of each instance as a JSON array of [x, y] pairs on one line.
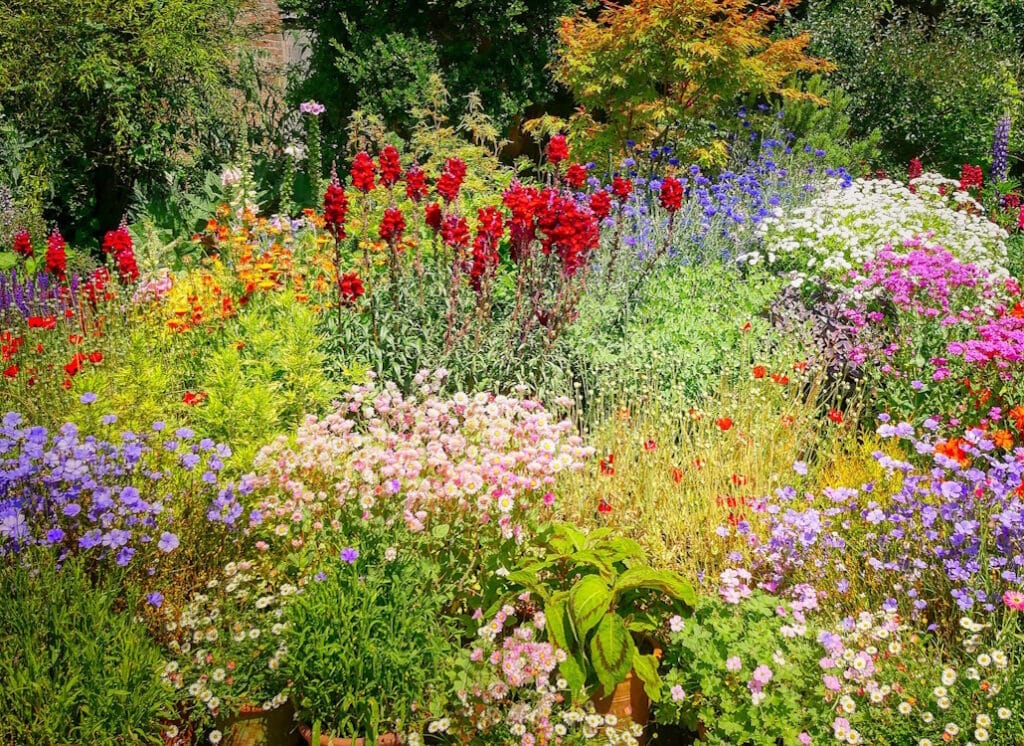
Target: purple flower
[[88, 398], [155, 599], [349, 555], [168, 542], [313, 108]]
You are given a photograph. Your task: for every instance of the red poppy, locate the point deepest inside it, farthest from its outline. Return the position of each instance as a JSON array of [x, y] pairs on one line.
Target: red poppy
[[75, 365], [607, 464], [604, 507], [66, 383], [192, 398], [787, 420], [760, 371], [780, 379], [650, 444], [698, 464], [96, 357], [75, 339], [677, 475], [724, 423], [11, 372], [835, 415]]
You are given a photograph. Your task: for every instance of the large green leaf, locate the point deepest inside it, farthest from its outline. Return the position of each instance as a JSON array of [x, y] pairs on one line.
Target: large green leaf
[[646, 669], [557, 624], [611, 652], [589, 600], [670, 583], [574, 674]]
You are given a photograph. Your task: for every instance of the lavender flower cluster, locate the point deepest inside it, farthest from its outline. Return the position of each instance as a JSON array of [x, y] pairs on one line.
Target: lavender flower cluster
[[38, 294], [118, 499]]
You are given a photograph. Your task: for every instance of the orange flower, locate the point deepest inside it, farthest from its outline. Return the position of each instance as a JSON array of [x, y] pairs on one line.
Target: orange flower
[[677, 475], [650, 444], [780, 379], [191, 399], [760, 371], [724, 423], [1002, 439], [800, 366]]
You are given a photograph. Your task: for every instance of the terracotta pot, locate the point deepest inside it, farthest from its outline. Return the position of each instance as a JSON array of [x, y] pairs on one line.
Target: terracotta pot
[[385, 739], [254, 726], [628, 701]]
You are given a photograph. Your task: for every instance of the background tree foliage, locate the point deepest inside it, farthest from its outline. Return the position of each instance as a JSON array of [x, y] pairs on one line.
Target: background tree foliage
[[642, 71], [933, 75], [110, 92], [379, 57]]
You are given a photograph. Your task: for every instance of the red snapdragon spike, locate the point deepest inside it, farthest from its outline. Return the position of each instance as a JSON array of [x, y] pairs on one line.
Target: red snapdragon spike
[[451, 179], [557, 150], [362, 172], [455, 232], [671, 195], [415, 183], [576, 175], [914, 172], [390, 166], [490, 229], [621, 187], [56, 256], [351, 287], [392, 225], [601, 204], [568, 229], [22, 244], [604, 507], [523, 203], [335, 207], [433, 216]]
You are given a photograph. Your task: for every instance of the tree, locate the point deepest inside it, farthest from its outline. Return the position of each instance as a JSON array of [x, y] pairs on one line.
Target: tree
[[642, 71], [114, 91]]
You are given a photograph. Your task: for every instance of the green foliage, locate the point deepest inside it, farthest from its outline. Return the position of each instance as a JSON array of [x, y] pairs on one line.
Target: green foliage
[[115, 92], [599, 593], [74, 666], [380, 57], [368, 645], [933, 84], [720, 699]]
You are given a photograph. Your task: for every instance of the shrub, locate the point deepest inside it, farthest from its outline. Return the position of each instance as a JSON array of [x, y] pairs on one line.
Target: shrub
[[76, 667]]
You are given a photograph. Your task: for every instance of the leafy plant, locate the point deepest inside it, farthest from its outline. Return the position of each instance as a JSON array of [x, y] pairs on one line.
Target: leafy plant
[[599, 595], [75, 667], [368, 646]]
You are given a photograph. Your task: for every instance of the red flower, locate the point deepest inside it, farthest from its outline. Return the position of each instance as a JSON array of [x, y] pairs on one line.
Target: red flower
[[351, 287], [56, 256], [11, 371], [390, 166], [607, 465], [22, 244], [557, 150], [760, 371], [650, 445], [677, 475], [75, 339], [415, 183], [455, 232], [485, 247], [724, 423], [570, 231], [432, 214], [451, 179], [362, 171], [42, 322], [671, 193], [800, 366], [970, 177], [916, 169], [739, 480], [523, 202], [780, 379], [392, 225], [622, 187], [96, 357], [76, 364], [1020, 219], [604, 507], [118, 243], [192, 398], [600, 204], [835, 415], [576, 175], [335, 207]]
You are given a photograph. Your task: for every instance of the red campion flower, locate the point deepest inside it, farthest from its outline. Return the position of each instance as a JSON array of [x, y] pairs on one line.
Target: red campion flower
[[192, 398], [362, 171], [335, 207], [622, 188], [557, 150], [671, 193], [970, 177], [22, 244], [351, 287], [601, 204], [392, 225], [390, 166], [485, 246], [432, 215], [415, 183], [451, 179], [455, 232], [576, 175], [56, 256]]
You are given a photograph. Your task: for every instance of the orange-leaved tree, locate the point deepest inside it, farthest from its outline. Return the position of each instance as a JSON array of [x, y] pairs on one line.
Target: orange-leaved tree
[[640, 71]]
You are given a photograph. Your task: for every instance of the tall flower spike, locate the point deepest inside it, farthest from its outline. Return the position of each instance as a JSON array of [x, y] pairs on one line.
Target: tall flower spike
[[335, 206], [1001, 150]]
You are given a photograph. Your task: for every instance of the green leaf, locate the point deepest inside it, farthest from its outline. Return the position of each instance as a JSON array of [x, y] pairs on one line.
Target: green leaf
[[670, 583], [646, 669], [589, 600], [574, 674], [557, 624], [440, 531], [611, 652], [8, 259]]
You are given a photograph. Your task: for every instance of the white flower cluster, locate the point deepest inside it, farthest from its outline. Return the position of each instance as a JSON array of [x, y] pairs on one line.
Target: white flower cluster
[[842, 228]]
